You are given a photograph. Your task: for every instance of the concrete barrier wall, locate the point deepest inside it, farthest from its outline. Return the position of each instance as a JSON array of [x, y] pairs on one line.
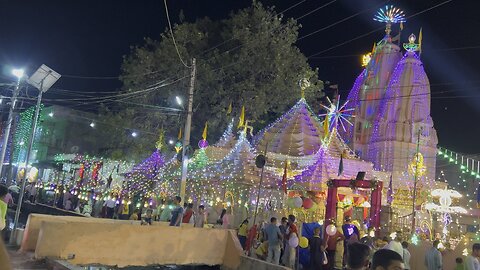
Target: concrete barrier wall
[[32, 228], [123, 244]]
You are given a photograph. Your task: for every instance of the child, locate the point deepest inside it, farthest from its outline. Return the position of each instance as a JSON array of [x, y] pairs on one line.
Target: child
[[3, 206], [262, 251], [134, 216], [459, 264], [147, 220]]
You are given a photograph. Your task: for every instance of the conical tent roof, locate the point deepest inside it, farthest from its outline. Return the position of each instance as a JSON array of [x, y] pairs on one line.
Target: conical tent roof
[[297, 133], [143, 177]]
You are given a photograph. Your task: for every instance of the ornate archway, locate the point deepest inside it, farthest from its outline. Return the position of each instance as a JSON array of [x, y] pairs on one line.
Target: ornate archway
[[375, 198]]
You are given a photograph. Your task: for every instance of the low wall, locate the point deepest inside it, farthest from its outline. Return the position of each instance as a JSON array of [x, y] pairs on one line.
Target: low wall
[[32, 228], [122, 245]]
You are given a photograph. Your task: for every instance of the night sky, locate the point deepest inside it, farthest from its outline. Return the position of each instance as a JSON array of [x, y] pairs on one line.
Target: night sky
[[89, 38]]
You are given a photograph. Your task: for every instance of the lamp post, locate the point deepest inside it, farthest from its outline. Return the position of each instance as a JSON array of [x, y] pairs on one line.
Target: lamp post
[[42, 79], [6, 134]]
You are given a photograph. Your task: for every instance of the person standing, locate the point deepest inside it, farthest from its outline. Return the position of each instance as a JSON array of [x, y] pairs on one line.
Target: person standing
[[177, 213], [166, 214], [188, 213], [124, 211], [242, 233], [109, 207], [406, 255], [290, 252], [283, 230], [433, 258], [3, 206], [472, 262], [317, 250], [274, 238], [199, 217], [331, 246]]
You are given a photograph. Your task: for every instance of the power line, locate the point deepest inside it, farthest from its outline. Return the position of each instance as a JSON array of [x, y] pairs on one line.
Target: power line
[[377, 29], [315, 10], [173, 37]]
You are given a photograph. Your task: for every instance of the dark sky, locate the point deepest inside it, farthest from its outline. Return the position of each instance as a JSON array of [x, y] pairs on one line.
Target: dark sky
[[89, 38]]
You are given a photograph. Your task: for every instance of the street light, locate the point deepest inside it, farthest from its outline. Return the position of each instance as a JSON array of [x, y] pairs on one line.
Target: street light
[[134, 134], [19, 73], [42, 79], [171, 142], [92, 124], [179, 100], [50, 114]]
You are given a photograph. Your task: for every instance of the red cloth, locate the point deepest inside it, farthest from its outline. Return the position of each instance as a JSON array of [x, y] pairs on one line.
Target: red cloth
[[292, 229], [187, 216], [332, 240], [251, 237]]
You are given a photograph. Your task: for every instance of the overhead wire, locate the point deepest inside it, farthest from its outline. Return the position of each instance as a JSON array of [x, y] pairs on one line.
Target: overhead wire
[[173, 36], [377, 29]]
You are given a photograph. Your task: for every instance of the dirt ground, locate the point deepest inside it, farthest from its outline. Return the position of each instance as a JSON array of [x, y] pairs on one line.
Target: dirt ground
[[24, 261]]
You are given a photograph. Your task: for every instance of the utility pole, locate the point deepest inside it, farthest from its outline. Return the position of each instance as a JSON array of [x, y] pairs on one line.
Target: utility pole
[[6, 133], [29, 152], [417, 160], [42, 79], [188, 126]]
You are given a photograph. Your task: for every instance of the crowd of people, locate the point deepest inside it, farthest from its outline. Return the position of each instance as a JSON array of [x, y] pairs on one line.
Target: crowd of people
[[343, 249]]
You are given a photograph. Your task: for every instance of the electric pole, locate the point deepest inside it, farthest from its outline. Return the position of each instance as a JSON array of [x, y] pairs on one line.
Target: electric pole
[[6, 133], [188, 126]]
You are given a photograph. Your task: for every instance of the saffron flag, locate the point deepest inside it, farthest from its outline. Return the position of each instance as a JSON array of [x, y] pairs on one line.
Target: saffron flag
[[241, 121], [229, 111], [325, 127], [204, 135], [390, 191], [340, 165], [284, 178], [180, 134], [420, 37]]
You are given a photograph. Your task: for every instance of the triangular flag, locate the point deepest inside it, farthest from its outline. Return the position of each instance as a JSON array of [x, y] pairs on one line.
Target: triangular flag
[[229, 110], [284, 178], [420, 37], [340, 165], [204, 135], [326, 127], [180, 134], [241, 121], [374, 47]]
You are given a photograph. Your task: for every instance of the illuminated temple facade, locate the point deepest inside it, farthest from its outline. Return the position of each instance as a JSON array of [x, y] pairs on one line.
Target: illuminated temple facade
[[391, 98]]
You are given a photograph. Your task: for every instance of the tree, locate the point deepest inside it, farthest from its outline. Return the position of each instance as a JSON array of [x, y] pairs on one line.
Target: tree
[[247, 59]]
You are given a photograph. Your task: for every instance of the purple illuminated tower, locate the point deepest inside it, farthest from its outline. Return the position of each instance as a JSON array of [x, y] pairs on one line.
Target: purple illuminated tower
[[403, 116]]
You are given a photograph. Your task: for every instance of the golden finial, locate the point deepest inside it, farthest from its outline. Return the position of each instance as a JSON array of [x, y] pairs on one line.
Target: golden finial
[[304, 84]]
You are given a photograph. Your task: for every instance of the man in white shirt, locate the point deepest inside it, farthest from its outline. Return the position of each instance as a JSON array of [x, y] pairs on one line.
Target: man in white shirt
[[472, 262], [433, 258], [110, 207]]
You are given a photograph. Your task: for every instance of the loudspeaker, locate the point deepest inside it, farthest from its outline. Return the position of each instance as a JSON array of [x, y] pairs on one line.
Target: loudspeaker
[[360, 176]]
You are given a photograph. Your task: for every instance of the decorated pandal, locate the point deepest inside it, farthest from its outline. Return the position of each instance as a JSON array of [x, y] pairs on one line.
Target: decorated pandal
[[360, 158]]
